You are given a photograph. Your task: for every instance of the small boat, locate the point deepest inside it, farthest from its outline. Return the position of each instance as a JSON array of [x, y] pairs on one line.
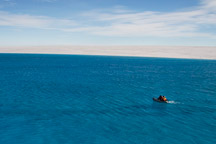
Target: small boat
[[157, 100]]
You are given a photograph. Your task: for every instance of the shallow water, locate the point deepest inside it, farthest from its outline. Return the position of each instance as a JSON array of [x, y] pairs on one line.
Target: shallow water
[[102, 100]]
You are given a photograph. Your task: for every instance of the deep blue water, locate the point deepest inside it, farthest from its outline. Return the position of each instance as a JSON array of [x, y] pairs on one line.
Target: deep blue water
[[64, 99]]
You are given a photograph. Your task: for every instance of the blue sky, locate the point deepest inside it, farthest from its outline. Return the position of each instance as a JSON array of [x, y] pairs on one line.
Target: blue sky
[[108, 22]]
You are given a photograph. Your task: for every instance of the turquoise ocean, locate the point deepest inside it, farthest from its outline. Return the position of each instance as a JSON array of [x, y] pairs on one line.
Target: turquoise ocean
[[75, 99]]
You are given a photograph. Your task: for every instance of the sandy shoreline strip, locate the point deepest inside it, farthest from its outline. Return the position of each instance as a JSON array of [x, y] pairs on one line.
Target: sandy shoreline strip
[[190, 52]]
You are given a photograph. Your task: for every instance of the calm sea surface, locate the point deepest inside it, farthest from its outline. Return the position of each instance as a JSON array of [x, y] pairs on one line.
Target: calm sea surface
[[66, 99]]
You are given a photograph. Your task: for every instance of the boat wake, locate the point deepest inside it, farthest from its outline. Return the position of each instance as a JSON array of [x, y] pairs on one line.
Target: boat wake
[[173, 102]]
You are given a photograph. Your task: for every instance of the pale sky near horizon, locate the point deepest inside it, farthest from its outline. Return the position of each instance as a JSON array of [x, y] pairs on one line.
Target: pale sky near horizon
[[108, 22]]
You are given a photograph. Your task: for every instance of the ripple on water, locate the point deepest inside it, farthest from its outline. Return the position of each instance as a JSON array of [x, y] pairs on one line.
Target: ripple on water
[[90, 99]]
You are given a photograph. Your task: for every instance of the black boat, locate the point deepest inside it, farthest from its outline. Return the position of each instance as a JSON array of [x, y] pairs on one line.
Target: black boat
[[157, 100]]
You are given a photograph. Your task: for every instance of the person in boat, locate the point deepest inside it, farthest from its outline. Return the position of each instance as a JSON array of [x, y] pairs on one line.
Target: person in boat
[[162, 98]]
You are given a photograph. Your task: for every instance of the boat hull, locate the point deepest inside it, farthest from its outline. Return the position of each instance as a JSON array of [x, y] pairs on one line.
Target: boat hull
[[157, 100]]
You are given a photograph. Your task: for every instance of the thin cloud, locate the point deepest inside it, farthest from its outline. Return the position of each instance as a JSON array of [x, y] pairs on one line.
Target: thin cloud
[[7, 3], [182, 23], [209, 4], [29, 21], [49, 1], [120, 21]]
